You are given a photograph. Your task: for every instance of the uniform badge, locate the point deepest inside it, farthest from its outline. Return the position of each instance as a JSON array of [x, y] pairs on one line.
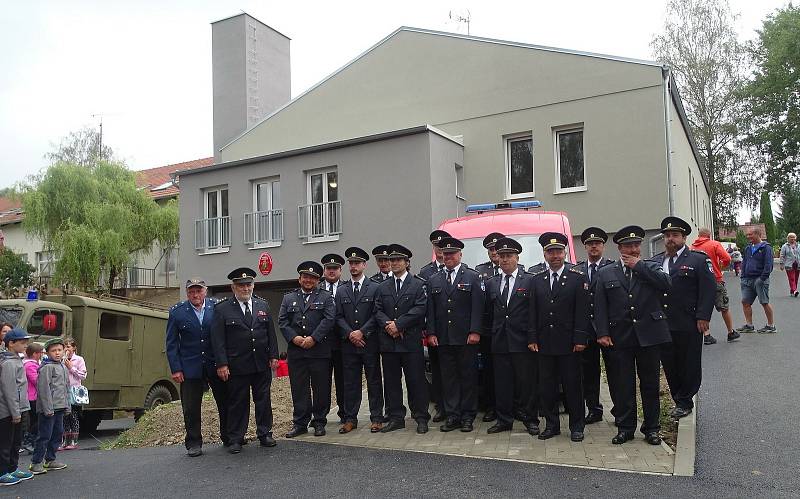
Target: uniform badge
[[586, 286], [483, 285], [261, 313], [710, 267]]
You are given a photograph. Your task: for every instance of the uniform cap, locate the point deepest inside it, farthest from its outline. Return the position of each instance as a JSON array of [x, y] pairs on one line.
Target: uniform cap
[[507, 245], [437, 235], [242, 275], [629, 234], [190, 283], [490, 240], [381, 251], [398, 250], [357, 254], [449, 244], [311, 268], [551, 240], [676, 224], [593, 234], [332, 260]]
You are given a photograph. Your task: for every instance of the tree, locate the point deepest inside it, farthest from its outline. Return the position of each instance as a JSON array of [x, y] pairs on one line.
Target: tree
[[93, 217], [741, 240], [789, 218], [766, 218], [772, 97], [700, 46], [83, 148], [14, 271]]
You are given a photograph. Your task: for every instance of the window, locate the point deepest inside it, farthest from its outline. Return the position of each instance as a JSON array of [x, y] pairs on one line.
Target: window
[[570, 171], [264, 226], [519, 166], [36, 323], [213, 232], [45, 263], [322, 217], [169, 261], [115, 327]]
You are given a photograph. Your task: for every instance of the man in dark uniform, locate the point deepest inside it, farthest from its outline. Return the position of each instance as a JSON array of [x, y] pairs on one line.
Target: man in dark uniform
[[357, 327], [246, 351], [332, 263], [594, 240], [426, 272], [629, 317], [306, 319], [191, 361], [507, 320], [400, 312], [455, 312], [489, 269], [689, 306], [381, 254], [559, 318]]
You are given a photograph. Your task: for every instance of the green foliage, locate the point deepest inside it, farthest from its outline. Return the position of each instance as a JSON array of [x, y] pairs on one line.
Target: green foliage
[[766, 218], [741, 240], [83, 148], [93, 217], [773, 97], [14, 271], [788, 220]]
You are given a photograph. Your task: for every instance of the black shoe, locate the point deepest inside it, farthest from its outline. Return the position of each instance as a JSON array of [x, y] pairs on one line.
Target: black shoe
[[652, 438], [392, 426], [194, 452], [385, 419], [532, 427], [235, 448], [450, 425], [296, 431], [593, 417], [497, 428], [489, 416], [520, 415], [319, 431], [466, 426], [267, 441], [422, 427], [680, 412], [709, 340], [733, 336], [548, 433], [438, 417], [226, 442], [576, 436], [622, 437]]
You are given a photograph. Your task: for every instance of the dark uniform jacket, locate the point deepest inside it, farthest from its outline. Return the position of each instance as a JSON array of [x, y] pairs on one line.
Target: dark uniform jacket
[[509, 325], [189, 342], [333, 338], [352, 314], [245, 349], [407, 309], [455, 310], [315, 317], [429, 270], [486, 270], [630, 311], [559, 317], [584, 268], [378, 277], [693, 292]]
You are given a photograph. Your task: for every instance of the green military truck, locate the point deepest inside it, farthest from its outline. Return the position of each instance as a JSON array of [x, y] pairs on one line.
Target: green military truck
[[122, 343]]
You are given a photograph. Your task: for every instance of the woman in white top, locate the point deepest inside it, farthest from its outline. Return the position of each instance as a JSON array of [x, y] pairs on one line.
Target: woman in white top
[[790, 259]]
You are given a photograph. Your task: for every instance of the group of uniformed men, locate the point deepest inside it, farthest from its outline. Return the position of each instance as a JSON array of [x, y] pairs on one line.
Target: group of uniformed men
[[539, 332]]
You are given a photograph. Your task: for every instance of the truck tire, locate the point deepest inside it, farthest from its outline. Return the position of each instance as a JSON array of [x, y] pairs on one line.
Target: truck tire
[[157, 396], [90, 420]]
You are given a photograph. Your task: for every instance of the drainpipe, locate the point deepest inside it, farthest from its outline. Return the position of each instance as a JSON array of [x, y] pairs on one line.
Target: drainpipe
[[668, 139]]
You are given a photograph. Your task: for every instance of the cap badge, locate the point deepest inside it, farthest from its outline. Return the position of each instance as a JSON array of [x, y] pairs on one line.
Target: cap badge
[[311, 269], [591, 235], [244, 274], [669, 224], [353, 254], [448, 245], [553, 241]]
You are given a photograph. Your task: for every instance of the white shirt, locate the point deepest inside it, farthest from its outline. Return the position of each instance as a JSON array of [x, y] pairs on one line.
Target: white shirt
[[665, 265], [249, 304], [360, 283], [558, 273], [454, 274], [510, 283], [335, 287], [402, 279]]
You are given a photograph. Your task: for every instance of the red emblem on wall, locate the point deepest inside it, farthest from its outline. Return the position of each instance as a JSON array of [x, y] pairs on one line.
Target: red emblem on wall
[[265, 263]]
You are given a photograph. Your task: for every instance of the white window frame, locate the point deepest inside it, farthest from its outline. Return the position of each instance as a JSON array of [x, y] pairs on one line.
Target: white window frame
[[49, 263], [507, 139], [324, 172], [255, 184], [218, 189], [557, 131]]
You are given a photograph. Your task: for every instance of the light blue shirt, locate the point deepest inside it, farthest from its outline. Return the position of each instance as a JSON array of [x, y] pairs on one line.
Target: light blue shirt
[[199, 313]]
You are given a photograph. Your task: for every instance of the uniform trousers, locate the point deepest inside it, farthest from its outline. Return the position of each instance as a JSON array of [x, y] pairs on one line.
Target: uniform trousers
[[458, 370], [191, 404], [518, 373], [682, 366], [628, 363], [310, 381], [436, 379], [591, 376], [412, 366], [486, 374], [564, 370], [353, 364], [336, 369], [239, 388], [219, 389]]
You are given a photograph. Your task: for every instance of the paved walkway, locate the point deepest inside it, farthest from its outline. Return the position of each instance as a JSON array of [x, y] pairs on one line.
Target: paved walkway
[[596, 451]]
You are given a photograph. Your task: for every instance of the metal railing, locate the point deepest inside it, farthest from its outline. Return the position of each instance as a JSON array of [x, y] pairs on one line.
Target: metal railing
[[263, 227], [320, 219], [212, 233]]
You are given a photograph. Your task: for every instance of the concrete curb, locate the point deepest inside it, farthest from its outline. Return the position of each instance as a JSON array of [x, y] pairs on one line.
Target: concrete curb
[[685, 445]]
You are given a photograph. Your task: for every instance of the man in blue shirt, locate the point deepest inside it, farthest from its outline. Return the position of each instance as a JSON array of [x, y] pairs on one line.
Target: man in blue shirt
[[756, 268]]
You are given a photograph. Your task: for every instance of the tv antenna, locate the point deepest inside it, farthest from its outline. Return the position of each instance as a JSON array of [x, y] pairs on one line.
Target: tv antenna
[[461, 16], [100, 147]]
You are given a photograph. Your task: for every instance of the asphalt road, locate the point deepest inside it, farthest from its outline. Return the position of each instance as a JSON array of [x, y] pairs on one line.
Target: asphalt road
[[747, 447]]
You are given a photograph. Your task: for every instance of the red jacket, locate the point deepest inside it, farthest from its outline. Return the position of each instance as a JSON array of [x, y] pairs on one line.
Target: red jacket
[[720, 258]]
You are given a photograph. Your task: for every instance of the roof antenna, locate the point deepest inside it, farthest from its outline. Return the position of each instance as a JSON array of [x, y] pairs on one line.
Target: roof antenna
[[460, 16]]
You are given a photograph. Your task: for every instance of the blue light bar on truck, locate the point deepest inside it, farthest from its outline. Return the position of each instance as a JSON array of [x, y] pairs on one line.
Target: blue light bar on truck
[[517, 205]]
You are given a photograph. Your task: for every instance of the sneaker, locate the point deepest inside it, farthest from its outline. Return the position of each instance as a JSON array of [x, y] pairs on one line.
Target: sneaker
[[70, 446], [8, 479], [54, 465], [733, 336], [767, 329], [37, 468], [22, 474], [747, 328], [709, 340], [796, 293]]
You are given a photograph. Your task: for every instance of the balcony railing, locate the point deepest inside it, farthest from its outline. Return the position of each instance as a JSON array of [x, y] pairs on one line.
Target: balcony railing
[[320, 220], [263, 227], [212, 233]]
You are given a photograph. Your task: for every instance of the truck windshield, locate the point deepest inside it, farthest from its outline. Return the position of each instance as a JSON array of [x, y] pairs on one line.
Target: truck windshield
[[475, 254], [10, 315]]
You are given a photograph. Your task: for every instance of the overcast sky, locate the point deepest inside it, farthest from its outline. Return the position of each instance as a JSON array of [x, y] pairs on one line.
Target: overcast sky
[[145, 65]]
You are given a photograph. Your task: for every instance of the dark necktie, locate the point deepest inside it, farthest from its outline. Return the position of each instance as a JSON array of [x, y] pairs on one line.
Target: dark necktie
[[305, 297], [399, 283], [248, 316], [494, 269], [628, 273], [441, 266], [330, 287], [592, 270], [670, 263], [554, 281], [505, 293], [450, 276], [355, 290]]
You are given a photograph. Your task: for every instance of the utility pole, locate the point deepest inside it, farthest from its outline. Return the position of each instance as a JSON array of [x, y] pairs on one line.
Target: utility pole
[[100, 146]]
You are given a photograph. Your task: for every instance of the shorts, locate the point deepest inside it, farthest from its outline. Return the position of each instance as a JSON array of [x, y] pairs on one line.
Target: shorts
[[721, 298], [752, 287]]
